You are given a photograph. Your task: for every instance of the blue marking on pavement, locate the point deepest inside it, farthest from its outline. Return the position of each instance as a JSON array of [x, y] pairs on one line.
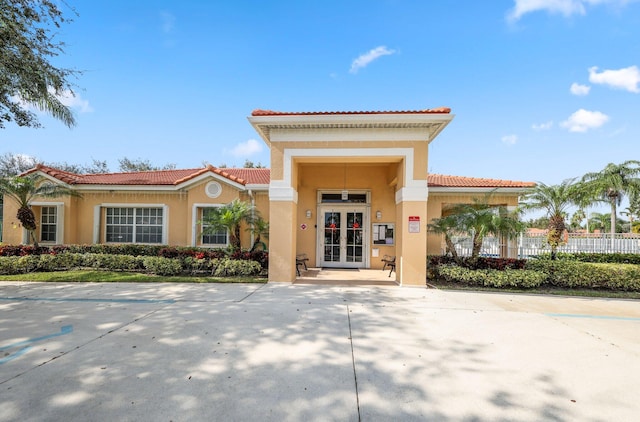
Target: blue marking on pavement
[[98, 300], [594, 317], [15, 355], [65, 329]]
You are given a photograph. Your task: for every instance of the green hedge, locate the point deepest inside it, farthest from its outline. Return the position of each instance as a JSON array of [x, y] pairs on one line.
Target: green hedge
[[525, 279], [569, 274], [610, 258], [185, 253], [221, 267]]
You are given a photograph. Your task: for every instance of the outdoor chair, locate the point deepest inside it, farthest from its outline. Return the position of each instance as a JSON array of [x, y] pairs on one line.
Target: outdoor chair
[[389, 261], [301, 260]]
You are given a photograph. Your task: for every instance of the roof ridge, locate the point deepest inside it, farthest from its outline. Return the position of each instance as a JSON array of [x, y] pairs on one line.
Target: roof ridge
[[261, 112]]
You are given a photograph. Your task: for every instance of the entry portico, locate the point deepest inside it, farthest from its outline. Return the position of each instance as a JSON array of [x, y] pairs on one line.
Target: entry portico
[[347, 188]]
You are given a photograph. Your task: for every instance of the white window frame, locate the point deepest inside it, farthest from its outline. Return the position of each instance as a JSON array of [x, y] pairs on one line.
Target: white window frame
[[98, 223], [52, 221], [196, 227], [59, 222]]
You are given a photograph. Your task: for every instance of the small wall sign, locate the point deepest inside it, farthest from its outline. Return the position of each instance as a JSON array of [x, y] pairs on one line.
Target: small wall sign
[[303, 226], [414, 224]]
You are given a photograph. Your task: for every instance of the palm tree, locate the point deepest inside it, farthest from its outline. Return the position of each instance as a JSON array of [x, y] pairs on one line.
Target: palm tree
[[600, 222], [230, 217], [576, 220], [23, 189], [481, 219], [555, 200], [633, 211], [259, 228], [612, 184], [445, 226]]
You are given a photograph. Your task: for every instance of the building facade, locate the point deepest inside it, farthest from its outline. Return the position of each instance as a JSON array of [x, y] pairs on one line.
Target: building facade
[[345, 188]]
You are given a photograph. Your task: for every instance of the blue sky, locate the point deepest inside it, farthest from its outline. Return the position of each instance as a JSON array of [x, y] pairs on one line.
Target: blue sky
[[541, 90]]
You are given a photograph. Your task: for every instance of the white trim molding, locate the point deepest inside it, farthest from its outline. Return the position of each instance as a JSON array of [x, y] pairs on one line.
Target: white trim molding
[[194, 220], [97, 223], [59, 218], [414, 190], [281, 190]]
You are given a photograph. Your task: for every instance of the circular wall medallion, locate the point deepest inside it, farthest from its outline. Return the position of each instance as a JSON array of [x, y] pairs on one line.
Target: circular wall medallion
[[213, 189]]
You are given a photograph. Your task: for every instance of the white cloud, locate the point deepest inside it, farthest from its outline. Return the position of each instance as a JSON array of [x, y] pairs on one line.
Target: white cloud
[[583, 120], [542, 126], [510, 139], [626, 78], [245, 149], [563, 7], [66, 97], [73, 100], [168, 21], [364, 59], [581, 90]]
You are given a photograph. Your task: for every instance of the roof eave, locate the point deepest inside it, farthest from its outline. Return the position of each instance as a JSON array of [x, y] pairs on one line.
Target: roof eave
[[264, 124], [470, 189]]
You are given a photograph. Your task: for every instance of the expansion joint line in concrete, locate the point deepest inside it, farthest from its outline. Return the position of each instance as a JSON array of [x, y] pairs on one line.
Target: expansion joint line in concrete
[[353, 362], [247, 296], [84, 344]]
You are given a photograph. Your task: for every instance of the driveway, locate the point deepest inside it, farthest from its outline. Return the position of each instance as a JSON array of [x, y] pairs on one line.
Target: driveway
[[282, 352]]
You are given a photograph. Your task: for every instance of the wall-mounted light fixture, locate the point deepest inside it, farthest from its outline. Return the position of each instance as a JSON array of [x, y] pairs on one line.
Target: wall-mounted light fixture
[[308, 213], [378, 215]]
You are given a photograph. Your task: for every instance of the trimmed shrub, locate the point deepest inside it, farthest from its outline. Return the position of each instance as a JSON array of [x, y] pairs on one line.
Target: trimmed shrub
[[493, 278], [563, 273], [233, 267], [196, 266], [162, 266], [480, 263], [610, 258], [8, 265], [111, 262]]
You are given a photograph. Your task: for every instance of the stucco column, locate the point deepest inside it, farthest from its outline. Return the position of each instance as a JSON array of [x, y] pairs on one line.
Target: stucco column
[[282, 241], [411, 259]]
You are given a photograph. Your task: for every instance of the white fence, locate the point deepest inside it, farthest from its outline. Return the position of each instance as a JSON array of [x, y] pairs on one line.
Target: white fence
[[527, 245]]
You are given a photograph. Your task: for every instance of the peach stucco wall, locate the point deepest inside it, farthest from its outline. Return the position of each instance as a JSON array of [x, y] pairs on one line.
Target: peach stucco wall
[[79, 213]]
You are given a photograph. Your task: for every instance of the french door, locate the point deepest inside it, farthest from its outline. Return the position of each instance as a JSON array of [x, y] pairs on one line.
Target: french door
[[343, 237]]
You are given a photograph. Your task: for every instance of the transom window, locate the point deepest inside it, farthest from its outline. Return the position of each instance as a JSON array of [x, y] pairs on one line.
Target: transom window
[[134, 225], [343, 197], [209, 238], [48, 224]]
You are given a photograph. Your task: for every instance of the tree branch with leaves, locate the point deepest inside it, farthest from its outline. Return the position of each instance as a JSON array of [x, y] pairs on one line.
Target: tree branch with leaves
[[28, 78]]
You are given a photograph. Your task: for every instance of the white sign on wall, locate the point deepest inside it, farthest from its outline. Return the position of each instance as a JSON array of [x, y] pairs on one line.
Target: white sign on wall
[[414, 224]]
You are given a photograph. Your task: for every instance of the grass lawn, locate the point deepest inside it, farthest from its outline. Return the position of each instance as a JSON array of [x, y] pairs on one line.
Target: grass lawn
[[122, 277], [543, 290]]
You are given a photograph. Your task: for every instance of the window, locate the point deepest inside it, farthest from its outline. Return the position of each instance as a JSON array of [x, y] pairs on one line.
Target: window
[[218, 238], [48, 224], [134, 225]]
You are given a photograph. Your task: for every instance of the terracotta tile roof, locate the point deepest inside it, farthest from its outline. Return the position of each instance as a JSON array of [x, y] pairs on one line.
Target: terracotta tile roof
[[242, 176], [442, 180], [61, 175], [158, 177], [259, 112]]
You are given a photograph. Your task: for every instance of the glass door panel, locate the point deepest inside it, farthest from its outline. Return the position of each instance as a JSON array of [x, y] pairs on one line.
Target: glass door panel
[[332, 236], [354, 236]]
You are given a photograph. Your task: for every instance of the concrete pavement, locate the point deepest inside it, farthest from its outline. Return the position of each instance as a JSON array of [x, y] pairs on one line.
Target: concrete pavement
[[282, 352]]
